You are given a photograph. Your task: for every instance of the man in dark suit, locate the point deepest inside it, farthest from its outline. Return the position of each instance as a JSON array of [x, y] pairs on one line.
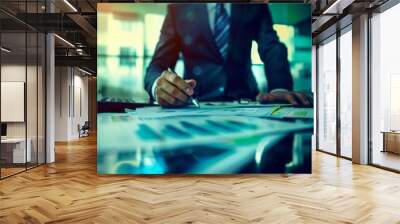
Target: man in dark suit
[[215, 41]]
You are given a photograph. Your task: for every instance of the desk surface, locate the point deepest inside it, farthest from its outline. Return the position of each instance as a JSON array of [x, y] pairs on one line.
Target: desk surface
[[391, 132], [210, 140], [13, 140]]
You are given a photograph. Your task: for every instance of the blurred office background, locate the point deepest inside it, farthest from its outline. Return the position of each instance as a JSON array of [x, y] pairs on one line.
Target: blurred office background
[[128, 34]]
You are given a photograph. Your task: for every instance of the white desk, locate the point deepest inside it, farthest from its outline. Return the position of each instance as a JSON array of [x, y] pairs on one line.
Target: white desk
[[17, 150]]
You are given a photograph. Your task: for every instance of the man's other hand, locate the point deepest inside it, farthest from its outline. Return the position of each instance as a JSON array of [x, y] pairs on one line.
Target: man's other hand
[[172, 90], [295, 98]]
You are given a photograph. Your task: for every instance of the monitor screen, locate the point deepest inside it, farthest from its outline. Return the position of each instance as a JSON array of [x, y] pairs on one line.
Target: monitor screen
[[3, 129]]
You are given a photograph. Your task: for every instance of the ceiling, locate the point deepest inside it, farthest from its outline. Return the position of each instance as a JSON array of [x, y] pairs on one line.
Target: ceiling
[[76, 22]]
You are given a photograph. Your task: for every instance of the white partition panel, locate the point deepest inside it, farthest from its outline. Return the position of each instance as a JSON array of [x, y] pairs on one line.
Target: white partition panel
[[12, 101]]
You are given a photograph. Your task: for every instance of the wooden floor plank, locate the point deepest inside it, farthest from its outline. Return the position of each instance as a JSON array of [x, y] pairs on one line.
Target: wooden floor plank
[[70, 191]]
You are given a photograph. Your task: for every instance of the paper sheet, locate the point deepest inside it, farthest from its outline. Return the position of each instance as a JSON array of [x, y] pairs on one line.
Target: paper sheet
[[129, 143], [225, 109], [166, 133]]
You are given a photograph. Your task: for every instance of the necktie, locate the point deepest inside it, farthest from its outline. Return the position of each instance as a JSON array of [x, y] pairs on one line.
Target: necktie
[[221, 29]]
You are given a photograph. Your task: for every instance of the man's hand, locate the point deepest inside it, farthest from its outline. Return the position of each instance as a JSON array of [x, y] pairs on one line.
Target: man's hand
[[172, 90], [295, 98]]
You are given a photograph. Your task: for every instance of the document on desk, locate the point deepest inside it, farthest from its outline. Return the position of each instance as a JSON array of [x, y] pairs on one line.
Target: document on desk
[[213, 144], [124, 132], [232, 109], [157, 112]]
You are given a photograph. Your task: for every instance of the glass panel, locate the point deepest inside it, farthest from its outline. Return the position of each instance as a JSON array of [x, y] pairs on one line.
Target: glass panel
[[32, 87], [23, 90], [346, 94], [385, 84], [327, 96], [13, 87], [31, 97]]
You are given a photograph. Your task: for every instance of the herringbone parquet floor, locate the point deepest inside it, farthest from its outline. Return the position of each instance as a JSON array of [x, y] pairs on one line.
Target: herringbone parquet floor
[[69, 191]]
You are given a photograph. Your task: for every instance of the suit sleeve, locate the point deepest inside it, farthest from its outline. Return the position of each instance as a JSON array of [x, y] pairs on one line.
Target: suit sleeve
[[273, 53], [166, 52]]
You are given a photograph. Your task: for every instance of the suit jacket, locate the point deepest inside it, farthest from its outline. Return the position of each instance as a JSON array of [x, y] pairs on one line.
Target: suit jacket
[[186, 31]]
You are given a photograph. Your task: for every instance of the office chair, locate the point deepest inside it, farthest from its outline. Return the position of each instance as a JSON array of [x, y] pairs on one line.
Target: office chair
[[84, 130]]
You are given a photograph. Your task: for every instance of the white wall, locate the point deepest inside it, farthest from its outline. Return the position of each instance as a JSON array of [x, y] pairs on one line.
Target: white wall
[[71, 94], [16, 73], [33, 126], [9, 73], [62, 81], [13, 72], [80, 103]]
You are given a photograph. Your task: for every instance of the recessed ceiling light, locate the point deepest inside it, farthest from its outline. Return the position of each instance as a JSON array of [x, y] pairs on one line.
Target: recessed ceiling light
[[65, 41], [5, 50], [337, 7], [70, 5], [334, 5], [84, 71]]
